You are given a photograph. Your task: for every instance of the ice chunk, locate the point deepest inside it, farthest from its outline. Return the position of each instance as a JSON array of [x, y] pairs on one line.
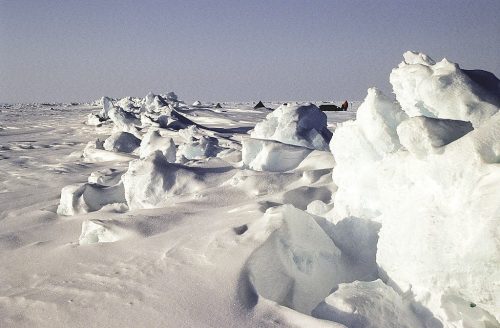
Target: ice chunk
[[357, 145], [83, 198], [153, 141], [444, 90], [155, 103], [298, 264], [124, 121], [377, 117], [105, 177], [202, 148], [107, 105], [299, 125], [437, 212], [423, 135], [266, 155], [122, 142]]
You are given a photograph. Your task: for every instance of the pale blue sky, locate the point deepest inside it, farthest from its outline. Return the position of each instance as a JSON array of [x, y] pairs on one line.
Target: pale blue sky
[[231, 50]]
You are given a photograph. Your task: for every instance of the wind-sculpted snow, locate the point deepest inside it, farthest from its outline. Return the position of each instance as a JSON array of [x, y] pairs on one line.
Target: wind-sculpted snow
[[151, 181], [444, 90], [123, 142], [299, 263], [153, 141], [76, 199], [273, 156], [154, 209], [431, 183]]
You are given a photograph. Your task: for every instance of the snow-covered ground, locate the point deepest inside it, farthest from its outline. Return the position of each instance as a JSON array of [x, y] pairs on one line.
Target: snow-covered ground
[[147, 212]]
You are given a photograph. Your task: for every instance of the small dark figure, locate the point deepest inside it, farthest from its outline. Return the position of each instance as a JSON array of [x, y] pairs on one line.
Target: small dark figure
[[345, 105], [259, 105]]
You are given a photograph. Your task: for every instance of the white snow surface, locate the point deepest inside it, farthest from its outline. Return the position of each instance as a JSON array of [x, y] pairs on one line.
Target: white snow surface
[[300, 125], [143, 212], [444, 90], [432, 185]]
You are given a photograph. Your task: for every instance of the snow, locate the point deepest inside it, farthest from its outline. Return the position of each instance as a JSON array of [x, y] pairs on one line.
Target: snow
[[139, 211], [153, 141], [444, 90], [122, 142], [423, 135], [299, 125], [266, 155], [430, 183], [368, 304]]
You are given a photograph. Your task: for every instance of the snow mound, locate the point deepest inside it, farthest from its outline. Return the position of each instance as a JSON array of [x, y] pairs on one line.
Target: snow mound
[[153, 141], [200, 148], [444, 90], [149, 182], [300, 125], [422, 135], [298, 263], [123, 142], [197, 103], [94, 152], [84, 198], [368, 304], [273, 156], [124, 121], [432, 185]]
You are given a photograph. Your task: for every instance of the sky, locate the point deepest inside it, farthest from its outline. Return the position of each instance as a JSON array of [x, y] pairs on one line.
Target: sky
[[81, 50]]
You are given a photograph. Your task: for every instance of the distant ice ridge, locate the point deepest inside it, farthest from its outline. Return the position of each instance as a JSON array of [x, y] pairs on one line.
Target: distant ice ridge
[[427, 168], [285, 138], [142, 133]]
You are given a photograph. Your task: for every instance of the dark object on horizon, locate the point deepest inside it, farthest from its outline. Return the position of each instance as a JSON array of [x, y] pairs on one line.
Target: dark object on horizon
[[330, 108], [259, 105], [218, 105], [345, 105]]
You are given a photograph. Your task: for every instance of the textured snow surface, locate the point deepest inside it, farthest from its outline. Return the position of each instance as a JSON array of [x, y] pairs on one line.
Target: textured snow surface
[[432, 184], [146, 212], [443, 90], [300, 125]]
